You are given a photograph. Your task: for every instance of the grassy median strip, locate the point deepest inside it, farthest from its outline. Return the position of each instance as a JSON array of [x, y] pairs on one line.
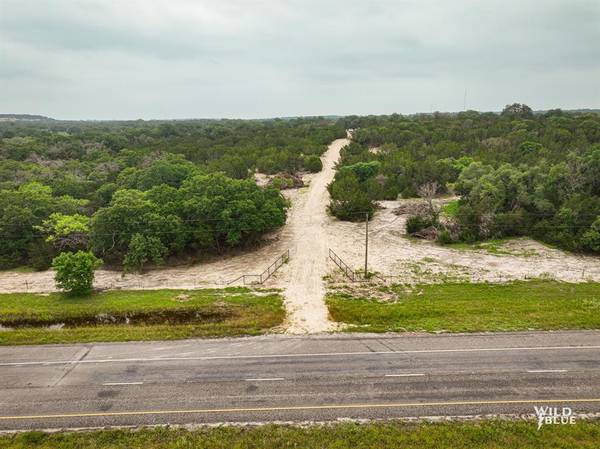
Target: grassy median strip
[[485, 434], [28, 318], [469, 307]]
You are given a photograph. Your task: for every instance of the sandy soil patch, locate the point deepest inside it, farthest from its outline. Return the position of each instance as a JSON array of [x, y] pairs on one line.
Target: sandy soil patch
[[411, 261]]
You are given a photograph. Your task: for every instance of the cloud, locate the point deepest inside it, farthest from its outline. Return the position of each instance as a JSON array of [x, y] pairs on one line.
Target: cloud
[[257, 58]]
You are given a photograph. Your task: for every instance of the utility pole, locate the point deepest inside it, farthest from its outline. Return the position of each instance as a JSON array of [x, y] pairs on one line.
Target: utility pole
[[366, 242]]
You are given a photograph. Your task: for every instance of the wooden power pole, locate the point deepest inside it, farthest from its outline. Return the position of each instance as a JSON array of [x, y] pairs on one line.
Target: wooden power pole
[[366, 242]]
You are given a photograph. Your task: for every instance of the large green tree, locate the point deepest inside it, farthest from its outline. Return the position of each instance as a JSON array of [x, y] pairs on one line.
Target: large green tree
[[22, 212]]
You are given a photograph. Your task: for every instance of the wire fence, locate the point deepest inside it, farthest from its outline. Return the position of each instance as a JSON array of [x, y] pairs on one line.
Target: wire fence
[[348, 272], [358, 275], [262, 277], [147, 281]]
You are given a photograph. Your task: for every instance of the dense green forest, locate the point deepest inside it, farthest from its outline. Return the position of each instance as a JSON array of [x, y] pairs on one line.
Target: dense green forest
[[517, 173], [138, 192]]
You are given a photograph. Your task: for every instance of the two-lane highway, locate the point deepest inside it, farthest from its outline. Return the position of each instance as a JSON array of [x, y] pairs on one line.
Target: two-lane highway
[[283, 378]]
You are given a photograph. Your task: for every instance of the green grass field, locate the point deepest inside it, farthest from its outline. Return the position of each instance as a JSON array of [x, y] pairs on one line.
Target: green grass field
[[467, 307], [487, 434], [137, 315]]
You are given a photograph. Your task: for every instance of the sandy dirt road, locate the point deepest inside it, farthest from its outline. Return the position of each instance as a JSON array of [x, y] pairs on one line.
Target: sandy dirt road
[[305, 290]]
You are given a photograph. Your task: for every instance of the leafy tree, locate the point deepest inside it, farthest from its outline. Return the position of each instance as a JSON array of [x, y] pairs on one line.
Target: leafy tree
[[591, 238], [530, 147], [66, 232], [21, 212], [75, 271], [348, 200], [133, 212], [170, 169], [228, 212], [208, 212], [233, 166], [517, 110], [470, 176], [143, 249]]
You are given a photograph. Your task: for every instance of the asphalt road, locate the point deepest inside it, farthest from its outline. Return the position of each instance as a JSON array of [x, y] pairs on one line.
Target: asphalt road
[[289, 378]]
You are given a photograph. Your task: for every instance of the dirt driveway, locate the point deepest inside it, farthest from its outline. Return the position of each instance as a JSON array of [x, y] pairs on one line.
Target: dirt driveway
[[305, 287]]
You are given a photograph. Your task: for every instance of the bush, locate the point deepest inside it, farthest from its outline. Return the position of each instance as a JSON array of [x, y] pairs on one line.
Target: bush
[[363, 170], [75, 271], [348, 201], [313, 164], [444, 237], [417, 222]]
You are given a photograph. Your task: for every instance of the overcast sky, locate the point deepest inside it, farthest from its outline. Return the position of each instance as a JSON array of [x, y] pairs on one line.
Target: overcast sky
[[116, 59]]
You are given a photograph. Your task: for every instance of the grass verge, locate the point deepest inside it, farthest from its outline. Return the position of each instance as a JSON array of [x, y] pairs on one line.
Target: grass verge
[[468, 307], [29, 318], [478, 435]]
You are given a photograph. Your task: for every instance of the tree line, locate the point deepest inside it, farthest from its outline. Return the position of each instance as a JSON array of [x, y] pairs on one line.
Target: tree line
[[139, 192], [517, 173]]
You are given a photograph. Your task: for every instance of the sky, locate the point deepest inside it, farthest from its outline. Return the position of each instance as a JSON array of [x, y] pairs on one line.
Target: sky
[[161, 59]]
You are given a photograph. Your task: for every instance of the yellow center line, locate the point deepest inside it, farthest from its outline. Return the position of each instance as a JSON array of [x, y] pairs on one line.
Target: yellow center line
[[300, 408]]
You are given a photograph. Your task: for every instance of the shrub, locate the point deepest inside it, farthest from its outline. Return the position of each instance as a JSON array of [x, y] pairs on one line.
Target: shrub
[[313, 164], [363, 170], [75, 271], [417, 222], [444, 237], [348, 201]]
